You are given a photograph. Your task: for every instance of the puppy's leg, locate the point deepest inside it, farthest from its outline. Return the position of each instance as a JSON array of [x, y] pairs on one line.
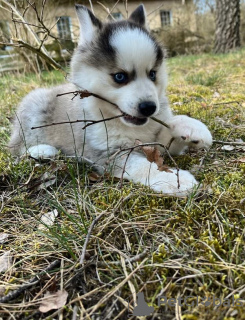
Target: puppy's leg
[[139, 169]]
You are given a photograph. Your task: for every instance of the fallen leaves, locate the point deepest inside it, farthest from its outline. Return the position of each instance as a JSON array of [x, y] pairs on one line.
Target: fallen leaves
[[238, 145], [154, 155], [94, 177], [228, 147], [52, 300], [6, 261], [46, 179], [47, 220], [3, 237]]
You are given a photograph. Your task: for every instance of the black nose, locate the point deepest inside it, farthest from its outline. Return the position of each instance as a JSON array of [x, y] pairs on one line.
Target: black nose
[[147, 108]]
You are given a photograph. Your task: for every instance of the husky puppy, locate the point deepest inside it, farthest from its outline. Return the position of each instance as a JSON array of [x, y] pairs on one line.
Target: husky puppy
[[123, 63]]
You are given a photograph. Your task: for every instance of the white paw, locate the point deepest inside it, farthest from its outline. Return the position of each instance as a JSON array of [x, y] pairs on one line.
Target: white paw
[[42, 151], [190, 132], [171, 184]]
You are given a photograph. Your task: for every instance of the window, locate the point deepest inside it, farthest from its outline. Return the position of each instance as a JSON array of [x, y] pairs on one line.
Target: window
[[165, 18], [64, 28], [117, 15]]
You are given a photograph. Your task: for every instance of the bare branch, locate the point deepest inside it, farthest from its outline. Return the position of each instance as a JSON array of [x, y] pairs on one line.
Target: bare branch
[[39, 52], [90, 122], [19, 18], [85, 94]]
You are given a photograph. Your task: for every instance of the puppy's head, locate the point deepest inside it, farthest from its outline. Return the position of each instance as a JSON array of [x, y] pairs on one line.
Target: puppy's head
[[121, 62]]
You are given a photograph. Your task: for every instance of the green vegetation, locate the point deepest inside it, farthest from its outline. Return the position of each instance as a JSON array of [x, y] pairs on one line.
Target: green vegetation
[[191, 246]]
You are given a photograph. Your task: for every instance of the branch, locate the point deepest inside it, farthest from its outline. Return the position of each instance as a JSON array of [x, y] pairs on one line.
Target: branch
[[88, 237], [40, 50], [121, 201], [76, 121], [85, 94], [231, 143], [34, 281], [140, 145]]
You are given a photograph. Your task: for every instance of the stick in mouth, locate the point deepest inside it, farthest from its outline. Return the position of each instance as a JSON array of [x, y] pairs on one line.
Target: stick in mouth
[[137, 121]]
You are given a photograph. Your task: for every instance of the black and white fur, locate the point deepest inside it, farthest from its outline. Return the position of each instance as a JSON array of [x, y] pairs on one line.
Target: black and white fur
[[109, 52]]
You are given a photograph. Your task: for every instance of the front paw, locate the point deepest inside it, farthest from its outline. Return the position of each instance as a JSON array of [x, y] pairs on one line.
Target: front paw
[[176, 183], [190, 132]]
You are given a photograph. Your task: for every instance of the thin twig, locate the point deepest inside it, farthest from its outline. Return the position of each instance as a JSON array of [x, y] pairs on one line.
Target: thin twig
[[107, 10], [122, 200], [85, 94], [34, 281], [136, 258], [90, 122], [37, 47], [88, 236], [228, 102], [160, 145], [124, 168], [161, 122], [170, 143], [115, 289], [111, 10], [231, 143]]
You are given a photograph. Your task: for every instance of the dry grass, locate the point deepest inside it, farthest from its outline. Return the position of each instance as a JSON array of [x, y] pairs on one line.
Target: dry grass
[[142, 241]]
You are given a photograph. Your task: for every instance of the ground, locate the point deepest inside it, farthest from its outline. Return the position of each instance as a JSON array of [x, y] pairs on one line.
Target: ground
[[142, 242]]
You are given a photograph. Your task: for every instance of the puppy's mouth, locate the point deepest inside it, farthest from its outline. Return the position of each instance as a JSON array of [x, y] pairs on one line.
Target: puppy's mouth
[[134, 120]]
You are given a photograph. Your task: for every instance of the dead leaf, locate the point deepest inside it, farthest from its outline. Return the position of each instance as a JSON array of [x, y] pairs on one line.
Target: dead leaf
[[154, 155], [165, 168], [52, 301], [47, 220], [94, 177], [47, 180], [178, 103], [3, 237], [84, 94], [2, 291], [5, 261], [227, 147], [216, 94]]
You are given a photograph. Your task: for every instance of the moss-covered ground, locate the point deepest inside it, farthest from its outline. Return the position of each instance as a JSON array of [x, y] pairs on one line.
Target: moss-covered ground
[[143, 242]]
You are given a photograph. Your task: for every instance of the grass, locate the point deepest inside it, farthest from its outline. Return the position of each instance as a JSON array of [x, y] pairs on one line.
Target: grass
[[183, 247]]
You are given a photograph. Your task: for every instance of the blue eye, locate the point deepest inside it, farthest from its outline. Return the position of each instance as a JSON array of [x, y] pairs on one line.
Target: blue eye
[[120, 77], [152, 75]]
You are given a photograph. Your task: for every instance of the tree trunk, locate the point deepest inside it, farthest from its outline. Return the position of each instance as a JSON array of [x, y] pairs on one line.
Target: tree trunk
[[227, 35]]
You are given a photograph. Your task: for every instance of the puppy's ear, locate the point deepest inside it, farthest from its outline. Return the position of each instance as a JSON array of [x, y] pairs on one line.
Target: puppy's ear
[[139, 16], [89, 24]]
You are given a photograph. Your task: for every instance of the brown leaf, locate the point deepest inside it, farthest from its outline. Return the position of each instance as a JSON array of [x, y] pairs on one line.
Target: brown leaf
[[94, 177], [84, 94], [154, 155], [52, 301], [165, 168]]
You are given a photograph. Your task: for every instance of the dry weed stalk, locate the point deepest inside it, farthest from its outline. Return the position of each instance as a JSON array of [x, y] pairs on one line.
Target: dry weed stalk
[[34, 43]]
